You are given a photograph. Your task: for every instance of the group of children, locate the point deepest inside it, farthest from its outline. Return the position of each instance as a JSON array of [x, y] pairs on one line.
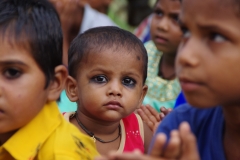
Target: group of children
[[106, 74]]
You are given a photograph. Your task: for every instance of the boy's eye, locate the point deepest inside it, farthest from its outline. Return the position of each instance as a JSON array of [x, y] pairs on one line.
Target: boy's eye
[[100, 79], [186, 32], [175, 18], [159, 13], [128, 82], [12, 73], [217, 38]]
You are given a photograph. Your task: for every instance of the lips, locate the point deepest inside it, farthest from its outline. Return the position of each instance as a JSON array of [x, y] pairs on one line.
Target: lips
[[161, 39], [188, 85], [114, 105]]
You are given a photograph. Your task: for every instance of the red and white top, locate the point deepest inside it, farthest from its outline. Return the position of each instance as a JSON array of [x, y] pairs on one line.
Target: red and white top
[[132, 136]]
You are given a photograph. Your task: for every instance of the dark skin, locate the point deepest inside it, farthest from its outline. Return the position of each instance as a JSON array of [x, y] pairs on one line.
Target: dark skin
[[166, 35], [206, 40], [167, 67], [93, 112], [231, 139], [104, 132], [5, 136], [151, 117]]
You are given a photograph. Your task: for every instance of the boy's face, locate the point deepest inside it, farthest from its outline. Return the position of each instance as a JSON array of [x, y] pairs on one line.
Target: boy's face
[[208, 60], [110, 84], [165, 31], [22, 93]]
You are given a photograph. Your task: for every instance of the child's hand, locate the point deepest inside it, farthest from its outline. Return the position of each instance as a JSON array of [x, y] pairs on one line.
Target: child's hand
[[164, 112], [189, 150], [151, 117], [182, 145]]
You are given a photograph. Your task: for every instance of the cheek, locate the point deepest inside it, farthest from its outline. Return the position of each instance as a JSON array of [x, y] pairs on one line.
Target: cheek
[[176, 34], [153, 25]]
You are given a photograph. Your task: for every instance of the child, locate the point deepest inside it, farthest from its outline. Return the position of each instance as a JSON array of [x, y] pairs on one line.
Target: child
[[166, 35], [32, 77], [76, 17], [207, 66], [108, 68]]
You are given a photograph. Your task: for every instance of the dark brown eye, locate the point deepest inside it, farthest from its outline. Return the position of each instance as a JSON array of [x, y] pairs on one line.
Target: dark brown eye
[[12, 73]]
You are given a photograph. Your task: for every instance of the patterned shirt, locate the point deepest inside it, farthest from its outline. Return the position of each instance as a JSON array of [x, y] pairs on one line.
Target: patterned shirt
[[161, 92]]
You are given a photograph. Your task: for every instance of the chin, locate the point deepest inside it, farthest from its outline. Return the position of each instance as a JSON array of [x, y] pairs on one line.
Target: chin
[[201, 103]]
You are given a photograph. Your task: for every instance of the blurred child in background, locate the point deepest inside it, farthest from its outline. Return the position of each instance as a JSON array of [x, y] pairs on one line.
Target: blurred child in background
[[166, 35]]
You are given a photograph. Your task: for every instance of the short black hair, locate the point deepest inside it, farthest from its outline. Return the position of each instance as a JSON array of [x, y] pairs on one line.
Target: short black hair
[[108, 37], [34, 24]]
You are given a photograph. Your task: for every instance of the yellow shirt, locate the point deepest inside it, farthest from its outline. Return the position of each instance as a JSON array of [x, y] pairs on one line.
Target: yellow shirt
[[48, 137]]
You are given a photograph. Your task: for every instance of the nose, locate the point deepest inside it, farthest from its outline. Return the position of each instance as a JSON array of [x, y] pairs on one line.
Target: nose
[[188, 53], [163, 24], [115, 88]]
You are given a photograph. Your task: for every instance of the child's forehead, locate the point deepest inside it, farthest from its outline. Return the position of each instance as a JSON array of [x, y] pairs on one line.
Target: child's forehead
[[168, 4], [17, 44], [209, 11], [111, 53], [216, 5]]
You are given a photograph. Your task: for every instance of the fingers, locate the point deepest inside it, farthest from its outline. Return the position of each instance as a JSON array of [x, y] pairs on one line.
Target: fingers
[[158, 145], [165, 111], [173, 148], [151, 111], [149, 115], [161, 115], [155, 127], [146, 119], [189, 144]]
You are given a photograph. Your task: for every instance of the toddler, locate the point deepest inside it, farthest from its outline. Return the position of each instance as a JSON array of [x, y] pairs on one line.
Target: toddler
[[108, 68]]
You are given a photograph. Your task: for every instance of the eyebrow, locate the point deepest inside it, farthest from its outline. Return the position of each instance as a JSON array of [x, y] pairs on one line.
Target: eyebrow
[[172, 13], [209, 27], [12, 62], [129, 73]]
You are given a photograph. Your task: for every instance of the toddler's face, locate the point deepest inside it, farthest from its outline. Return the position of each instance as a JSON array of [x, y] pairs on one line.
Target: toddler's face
[[110, 84], [165, 31], [22, 82], [208, 60]]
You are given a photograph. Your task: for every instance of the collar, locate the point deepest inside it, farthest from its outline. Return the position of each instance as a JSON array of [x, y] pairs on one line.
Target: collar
[[35, 133]]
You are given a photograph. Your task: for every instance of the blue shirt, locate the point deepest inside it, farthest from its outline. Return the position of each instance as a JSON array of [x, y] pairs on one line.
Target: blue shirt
[[180, 100], [206, 124]]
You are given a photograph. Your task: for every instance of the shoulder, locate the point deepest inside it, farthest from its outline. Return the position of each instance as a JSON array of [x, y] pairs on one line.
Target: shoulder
[[150, 46], [206, 125], [68, 142], [200, 120]]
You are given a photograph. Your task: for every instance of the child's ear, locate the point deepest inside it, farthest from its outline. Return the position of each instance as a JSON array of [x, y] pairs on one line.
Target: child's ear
[[58, 83], [71, 89], [144, 92]]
